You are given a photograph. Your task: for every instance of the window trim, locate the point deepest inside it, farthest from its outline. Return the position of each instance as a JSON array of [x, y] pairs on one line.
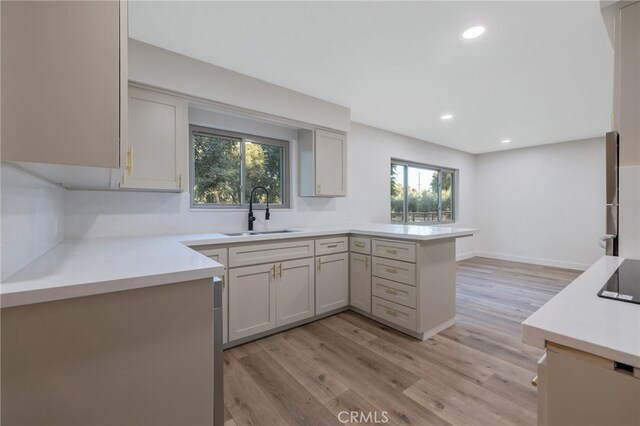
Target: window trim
[[440, 170], [284, 168]]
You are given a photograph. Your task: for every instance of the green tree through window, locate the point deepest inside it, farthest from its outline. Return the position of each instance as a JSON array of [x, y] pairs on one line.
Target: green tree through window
[[227, 166], [421, 193]]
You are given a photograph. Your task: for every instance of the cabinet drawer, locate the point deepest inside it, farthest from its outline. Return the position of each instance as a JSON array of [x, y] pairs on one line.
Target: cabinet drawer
[[403, 272], [394, 292], [394, 250], [274, 252], [331, 245], [395, 313], [360, 245]]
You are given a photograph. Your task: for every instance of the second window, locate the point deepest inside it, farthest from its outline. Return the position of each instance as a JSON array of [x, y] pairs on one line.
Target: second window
[[421, 193]]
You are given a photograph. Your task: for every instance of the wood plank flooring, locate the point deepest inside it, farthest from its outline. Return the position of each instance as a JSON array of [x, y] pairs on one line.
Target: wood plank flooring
[[475, 373]]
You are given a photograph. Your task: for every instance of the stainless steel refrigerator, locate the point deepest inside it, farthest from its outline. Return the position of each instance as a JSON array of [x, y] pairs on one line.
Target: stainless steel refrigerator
[[612, 156]]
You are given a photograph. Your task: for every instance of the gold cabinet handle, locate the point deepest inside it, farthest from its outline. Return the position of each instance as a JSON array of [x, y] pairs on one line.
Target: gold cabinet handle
[[273, 272], [318, 189], [391, 312], [391, 270], [224, 284], [361, 245], [332, 245], [534, 382], [130, 161], [318, 264], [391, 251], [366, 263], [279, 270], [391, 291]]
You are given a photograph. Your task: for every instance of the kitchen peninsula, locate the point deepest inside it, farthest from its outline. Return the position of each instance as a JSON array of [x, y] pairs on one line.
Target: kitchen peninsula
[[152, 297]]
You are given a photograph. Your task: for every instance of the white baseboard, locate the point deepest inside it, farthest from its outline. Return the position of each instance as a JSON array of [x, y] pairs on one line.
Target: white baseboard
[[464, 256], [534, 260]]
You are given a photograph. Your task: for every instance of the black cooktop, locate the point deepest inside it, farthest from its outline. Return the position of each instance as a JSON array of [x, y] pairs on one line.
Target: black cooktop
[[624, 284]]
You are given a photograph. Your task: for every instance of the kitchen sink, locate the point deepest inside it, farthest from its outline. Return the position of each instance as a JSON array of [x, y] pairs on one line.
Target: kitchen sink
[[248, 233]]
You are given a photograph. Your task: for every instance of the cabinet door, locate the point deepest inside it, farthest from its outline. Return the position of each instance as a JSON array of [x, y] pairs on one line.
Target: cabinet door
[[252, 301], [61, 81], [294, 291], [332, 282], [220, 256], [157, 142], [360, 282], [330, 163]]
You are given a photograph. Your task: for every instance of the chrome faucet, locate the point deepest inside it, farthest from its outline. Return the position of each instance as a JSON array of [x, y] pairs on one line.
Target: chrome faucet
[[252, 218]]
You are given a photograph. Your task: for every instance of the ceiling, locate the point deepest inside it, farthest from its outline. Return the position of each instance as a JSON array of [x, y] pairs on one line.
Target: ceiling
[[541, 73]]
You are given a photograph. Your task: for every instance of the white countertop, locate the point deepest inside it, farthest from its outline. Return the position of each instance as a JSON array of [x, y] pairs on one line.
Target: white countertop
[[576, 317], [84, 267]]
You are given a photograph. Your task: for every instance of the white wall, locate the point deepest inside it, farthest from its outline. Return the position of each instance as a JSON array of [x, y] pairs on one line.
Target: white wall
[[117, 213], [111, 213], [370, 151], [542, 205], [32, 218]]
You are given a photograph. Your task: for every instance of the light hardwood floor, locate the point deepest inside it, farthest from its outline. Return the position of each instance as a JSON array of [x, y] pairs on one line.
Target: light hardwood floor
[[475, 373]]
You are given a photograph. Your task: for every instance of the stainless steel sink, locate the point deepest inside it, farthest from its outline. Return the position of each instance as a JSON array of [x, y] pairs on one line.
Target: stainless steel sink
[[249, 233]]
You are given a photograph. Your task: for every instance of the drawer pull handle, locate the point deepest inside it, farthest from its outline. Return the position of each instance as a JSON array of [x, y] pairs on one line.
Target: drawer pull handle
[[391, 291], [273, 272], [332, 246], [391, 270], [366, 263], [391, 251], [318, 265], [279, 270], [361, 245], [391, 312], [223, 283], [534, 382]]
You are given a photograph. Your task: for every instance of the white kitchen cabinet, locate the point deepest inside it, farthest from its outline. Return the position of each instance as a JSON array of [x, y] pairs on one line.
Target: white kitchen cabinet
[[220, 256], [579, 388], [360, 282], [64, 82], [157, 143], [266, 296], [294, 291], [269, 252], [332, 282], [252, 300], [323, 163], [626, 105]]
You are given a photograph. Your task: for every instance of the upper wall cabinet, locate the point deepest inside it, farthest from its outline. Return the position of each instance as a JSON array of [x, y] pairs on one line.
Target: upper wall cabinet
[[63, 80], [627, 83], [157, 143], [323, 163]]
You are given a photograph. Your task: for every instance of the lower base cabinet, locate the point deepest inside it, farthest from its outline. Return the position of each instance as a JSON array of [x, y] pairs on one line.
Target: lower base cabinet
[[294, 291], [266, 296], [360, 281], [332, 282], [583, 389]]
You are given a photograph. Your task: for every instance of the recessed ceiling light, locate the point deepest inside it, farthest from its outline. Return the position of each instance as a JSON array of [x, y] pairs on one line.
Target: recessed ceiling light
[[473, 32], [506, 140], [446, 117]]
